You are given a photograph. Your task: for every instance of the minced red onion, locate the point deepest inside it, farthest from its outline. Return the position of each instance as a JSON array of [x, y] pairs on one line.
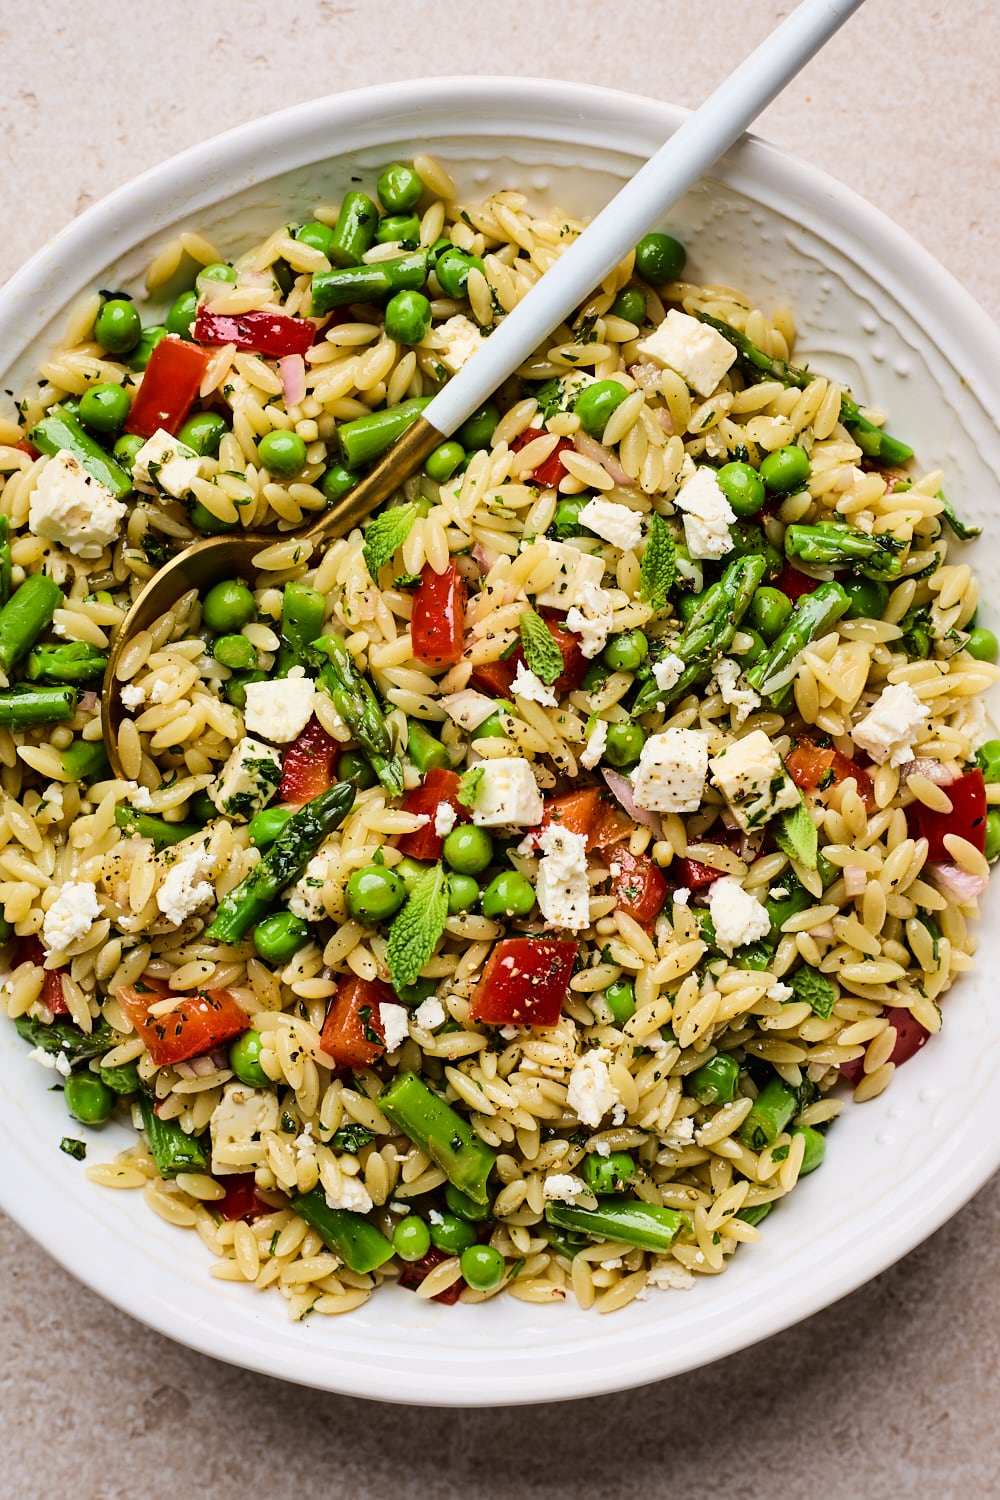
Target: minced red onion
[[621, 789], [824, 931], [292, 373], [855, 880], [89, 701], [958, 885], [922, 765], [589, 447]]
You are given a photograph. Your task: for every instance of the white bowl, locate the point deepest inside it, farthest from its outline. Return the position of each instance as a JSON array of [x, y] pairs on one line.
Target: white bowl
[[873, 309]]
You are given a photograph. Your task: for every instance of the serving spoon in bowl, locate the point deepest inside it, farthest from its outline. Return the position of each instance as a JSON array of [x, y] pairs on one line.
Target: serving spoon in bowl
[[644, 199]]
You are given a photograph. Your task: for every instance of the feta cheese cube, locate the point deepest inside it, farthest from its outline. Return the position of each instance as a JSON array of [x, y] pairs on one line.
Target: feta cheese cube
[[280, 708], [670, 776], [305, 897], [590, 1093], [352, 1195], [461, 338], [708, 515], [183, 889], [247, 781], [613, 523], [577, 569], [698, 353], [507, 794], [743, 699], [71, 915], [593, 619], [395, 1023], [738, 917], [563, 1187], [237, 1121], [562, 887], [429, 1014], [527, 685], [888, 729], [753, 780], [164, 466], [445, 818], [70, 507], [596, 745], [668, 671], [682, 896]]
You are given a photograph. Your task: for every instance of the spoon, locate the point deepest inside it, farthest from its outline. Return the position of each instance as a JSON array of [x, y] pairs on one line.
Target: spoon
[[654, 189]]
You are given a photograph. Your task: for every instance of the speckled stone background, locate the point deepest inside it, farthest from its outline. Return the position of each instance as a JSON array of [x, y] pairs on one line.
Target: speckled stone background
[[892, 1393]]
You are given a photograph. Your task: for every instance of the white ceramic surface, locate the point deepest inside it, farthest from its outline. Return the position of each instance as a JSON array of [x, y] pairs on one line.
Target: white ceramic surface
[[874, 309]]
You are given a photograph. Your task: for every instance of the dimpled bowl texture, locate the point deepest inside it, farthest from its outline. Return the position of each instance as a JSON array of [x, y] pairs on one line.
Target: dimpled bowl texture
[[872, 309]]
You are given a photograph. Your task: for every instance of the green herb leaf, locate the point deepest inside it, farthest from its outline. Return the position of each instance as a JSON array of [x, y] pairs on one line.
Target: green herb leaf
[[964, 532], [795, 835], [386, 535], [659, 564], [819, 993], [469, 788], [64, 1036], [351, 1138], [417, 930], [541, 653], [73, 1147]]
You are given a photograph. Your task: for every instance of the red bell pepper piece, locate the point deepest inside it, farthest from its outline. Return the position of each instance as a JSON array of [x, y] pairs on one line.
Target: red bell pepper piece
[[196, 1025], [576, 811], [611, 826], [910, 1037], [694, 875], [413, 1272], [271, 334], [172, 380], [30, 951], [639, 886], [307, 767], [437, 624], [793, 583], [814, 769], [967, 818], [525, 982], [352, 1033], [549, 472], [438, 785], [241, 1201], [496, 677], [29, 448]]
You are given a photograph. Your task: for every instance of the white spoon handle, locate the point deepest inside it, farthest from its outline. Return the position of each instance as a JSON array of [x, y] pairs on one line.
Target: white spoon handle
[[640, 204]]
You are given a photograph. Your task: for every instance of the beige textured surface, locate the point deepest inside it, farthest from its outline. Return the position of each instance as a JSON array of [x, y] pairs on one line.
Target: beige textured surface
[[890, 1394]]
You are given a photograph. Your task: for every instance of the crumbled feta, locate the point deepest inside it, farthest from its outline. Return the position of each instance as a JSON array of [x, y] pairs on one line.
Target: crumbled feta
[[780, 992], [527, 685], [305, 1146], [577, 570], [507, 794], [563, 1187], [395, 1024], [160, 691], [468, 709], [592, 619], [247, 781], [71, 915], [591, 1093], [305, 897], [753, 780], [58, 1061], [132, 695], [778, 892], [682, 896], [142, 797], [667, 672], [71, 507], [429, 1014], [562, 887], [670, 776], [445, 818], [596, 745], [279, 709], [744, 700], [738, 917], [970, 719], [237, 1121], [698, 353], [352, 1195], [613, 523], [677, 1133], [669, 1276], [888, 729], [183, 889], [165, 466], [708, 515], [461, 338]]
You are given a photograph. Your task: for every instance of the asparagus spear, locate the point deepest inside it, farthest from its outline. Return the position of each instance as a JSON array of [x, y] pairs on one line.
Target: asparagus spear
[[64, 1036], [425, 751], [172, 1149], [76, 661], [371, 283], [5, 561], [357, 705], [148, 826], [85, 760], [828, 544], [303, 611], [26, 614], [369, 437], [282, 864], [359, 1244], [23, 706], [355, 230], [59, 430], [443, 1134], [813, 614], [772, 1109], [630, 1221]]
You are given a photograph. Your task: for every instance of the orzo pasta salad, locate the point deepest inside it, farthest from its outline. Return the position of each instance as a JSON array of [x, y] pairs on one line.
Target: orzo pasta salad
[[508, 896]]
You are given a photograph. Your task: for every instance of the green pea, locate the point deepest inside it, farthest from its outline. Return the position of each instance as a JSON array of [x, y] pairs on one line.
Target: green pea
[[451, 1234], [785, 469], [227, 606], [509, 894], [566, 521], [203, 809], [403, 229], [316, 235], [609, 1174], [337, 482], [624, 653], [244, 1059], [625, 742], [742, 487], [993, 833], [353, 766], [236, 688], [443, 462], [630, 304], [180, 318], [266, 825], [88, 1099], [769, 610], [411, 1238], [659, 258], [279, 937], [126, 447], [118, 327], [212, 275], [988, 760], [104, 407], [150, 337], [815, 1150], [596, 402], [235, 652], [982, 644], [687, 606], [283, 453], [453, 269], [407, 317], [374, 893], [462, 1205], [463, 893], [621, 1001], [203, 431], [477, 431], [756, 648], [123, 1079], [409, 871], [468, 849], [482, 1267], [868, 596], [715, 1081], [399, 187]]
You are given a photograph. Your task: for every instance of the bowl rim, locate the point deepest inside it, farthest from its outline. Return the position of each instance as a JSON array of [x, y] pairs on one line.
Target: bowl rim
[[958, 327]]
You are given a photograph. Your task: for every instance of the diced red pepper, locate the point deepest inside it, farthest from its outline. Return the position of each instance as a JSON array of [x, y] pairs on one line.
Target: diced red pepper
[[910, 1037], [576, 811], [352, 1033], [438, 785], [241, 1201], [793, 583], [814, 769], [525, 982], [967, 818], [172, 380], [307, 767], [28, 448], [694, 875], [611, 825], [30, 951], [550, 470], [271, 334], [639, 886], [437, 625], [413, 1272], [496, 677], [196, 1025]]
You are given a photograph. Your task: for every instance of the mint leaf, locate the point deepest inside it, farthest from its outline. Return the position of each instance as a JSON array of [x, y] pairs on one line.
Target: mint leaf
[[962, 530], [417, 930], [386, 535], [795, 835], [541, 653], [659, 564], [469, 786], [819, 993], [73, 1147]]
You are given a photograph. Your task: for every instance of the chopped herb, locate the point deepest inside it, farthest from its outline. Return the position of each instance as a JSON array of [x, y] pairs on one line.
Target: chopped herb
[[417, 929], [469, 788], [795, 835], [819, 993], [72, 1147], [659, 564], [541, 653], [386, 535]]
